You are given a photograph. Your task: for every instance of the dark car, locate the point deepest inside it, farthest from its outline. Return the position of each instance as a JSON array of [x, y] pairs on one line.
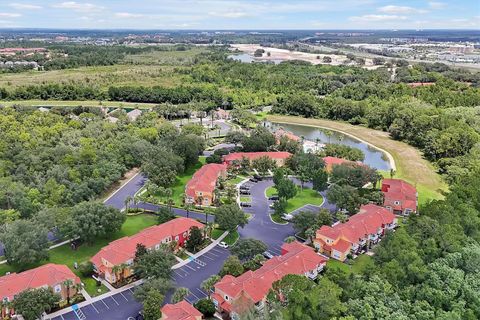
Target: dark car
[[259, 178], [245, 204], [245, 192], [244, 188], [273, 198], [253, 180]]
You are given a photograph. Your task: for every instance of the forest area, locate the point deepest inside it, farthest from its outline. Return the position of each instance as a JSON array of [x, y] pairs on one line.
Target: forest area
[[54, 165]]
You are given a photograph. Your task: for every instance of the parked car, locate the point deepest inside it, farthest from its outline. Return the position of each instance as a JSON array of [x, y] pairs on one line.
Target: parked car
[[253, 180], [267, 255], [287, 217], [245, 192], [245, 204], [244, 187], [273, 198], [259, 178], [223, 244]]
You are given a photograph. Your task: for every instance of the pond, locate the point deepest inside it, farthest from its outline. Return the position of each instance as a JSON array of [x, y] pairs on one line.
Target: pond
[[373, 157], [247, 58]]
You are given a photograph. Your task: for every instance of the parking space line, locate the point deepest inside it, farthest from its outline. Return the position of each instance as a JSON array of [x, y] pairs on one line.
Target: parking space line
[[204, 256], [201, 291], [93, 305], [178, 274], [193, 294], [186, 272], [188, 300], [115, 300], [213, 254], [190, 267], [123, 296], [105, 304], [62, 317]]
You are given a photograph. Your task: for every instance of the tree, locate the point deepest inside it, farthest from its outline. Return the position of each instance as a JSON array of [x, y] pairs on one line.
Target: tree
[[260, 139], [86, 269], [92, 220], [286, 189], [156, 264], [161, 166], [234, 137], [354, 175], [68, 285], [206, 307], [164, 214], [161, 285], [232, 266], [195, 239], [320, 180], [25, 242], [248, 248], [280, 206], [327, 59], [304, 220], [152, 305], [345, 197], [263, 165], [140, 251], [180, 294], [228, 217], [32, 303], [207, 285], [189, 147]]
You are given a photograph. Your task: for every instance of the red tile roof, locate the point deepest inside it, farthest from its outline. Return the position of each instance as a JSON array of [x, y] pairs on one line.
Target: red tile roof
[[46, 275], [205, 179], [180, 311], [420, 84], [298, 259], [370, 218], [399, 190], [283, 133], [123, 249], [255, 155]]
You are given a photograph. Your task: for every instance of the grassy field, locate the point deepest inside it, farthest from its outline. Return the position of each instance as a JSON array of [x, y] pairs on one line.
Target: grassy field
[[65, 255], [178, 58], [178, 189], [230, 239], [86, 103], [410, 164], [303, 197]]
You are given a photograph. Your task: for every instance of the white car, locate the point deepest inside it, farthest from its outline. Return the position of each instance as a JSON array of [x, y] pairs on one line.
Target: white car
[[287, 217], [223, 244]]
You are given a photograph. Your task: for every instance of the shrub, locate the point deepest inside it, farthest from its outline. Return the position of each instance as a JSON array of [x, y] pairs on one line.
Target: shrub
[[86, 268], [206, 307]]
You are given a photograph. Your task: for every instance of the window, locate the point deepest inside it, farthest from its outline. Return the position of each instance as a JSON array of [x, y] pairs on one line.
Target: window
[[396, 203], [157, 247], [226, 298], [58, 288], [185, 234], [5, 300], [177, 238]]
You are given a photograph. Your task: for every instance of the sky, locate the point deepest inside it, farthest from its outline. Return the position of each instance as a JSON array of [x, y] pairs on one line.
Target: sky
[[241, 14]]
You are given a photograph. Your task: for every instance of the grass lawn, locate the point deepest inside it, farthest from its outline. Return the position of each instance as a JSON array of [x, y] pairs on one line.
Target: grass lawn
[[230, 239], [236, 180], [410, 164], [178, 189], [277, 218], [303, 197], [359, 264], [65, 255]]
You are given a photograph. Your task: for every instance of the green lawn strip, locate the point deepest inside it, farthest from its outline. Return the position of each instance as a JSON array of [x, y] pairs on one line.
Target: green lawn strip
[[277, 218], [65, 255], [92, 288], [245, 199], [230, 239], [271, 191], [236, 180]]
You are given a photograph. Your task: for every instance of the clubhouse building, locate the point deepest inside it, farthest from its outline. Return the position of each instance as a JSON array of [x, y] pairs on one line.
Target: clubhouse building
[[114, 262]]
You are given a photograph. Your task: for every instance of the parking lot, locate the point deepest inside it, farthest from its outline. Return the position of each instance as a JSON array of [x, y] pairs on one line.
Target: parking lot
[[119, 306]]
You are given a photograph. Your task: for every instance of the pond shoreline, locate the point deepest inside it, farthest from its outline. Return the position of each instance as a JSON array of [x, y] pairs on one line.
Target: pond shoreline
[[389, 156]]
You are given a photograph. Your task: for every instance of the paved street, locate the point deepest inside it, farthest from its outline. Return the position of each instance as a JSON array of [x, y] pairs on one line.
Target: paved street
[[117, 199]]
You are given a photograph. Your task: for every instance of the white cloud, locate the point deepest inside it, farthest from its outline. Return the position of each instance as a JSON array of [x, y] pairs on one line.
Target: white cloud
[[9, 15], [400, 10], [437, 5], [377, 17], [128, 15], [230, 14], [77, 6], [24, 6]]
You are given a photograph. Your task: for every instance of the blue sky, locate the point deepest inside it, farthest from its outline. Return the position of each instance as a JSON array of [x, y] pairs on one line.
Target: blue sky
[[241, 14]]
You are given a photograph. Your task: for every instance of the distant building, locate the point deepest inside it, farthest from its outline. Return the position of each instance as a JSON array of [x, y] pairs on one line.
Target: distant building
[[134, 114], [121, 252], [279, 157], [221, 114], [307, 145], [400, 196], [234, 296], [51, 276], [420, 84], [180, 311], [330, 162], [200, 189], [361, 231]]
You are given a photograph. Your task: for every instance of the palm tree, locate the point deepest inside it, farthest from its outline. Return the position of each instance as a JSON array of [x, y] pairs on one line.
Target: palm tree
[[207, 211], [68, 284], [170, 203], [310, 233], [200, 200], [187, 207], [115, 271], [209, 228], [127, 202], [136, 201]]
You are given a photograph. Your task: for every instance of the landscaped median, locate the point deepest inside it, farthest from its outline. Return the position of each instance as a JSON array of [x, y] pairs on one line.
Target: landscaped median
[[304, 196], [230, 239], [65, 255]]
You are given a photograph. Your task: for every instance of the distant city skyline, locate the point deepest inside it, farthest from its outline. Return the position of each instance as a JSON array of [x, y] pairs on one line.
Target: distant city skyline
[[248, 14]]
